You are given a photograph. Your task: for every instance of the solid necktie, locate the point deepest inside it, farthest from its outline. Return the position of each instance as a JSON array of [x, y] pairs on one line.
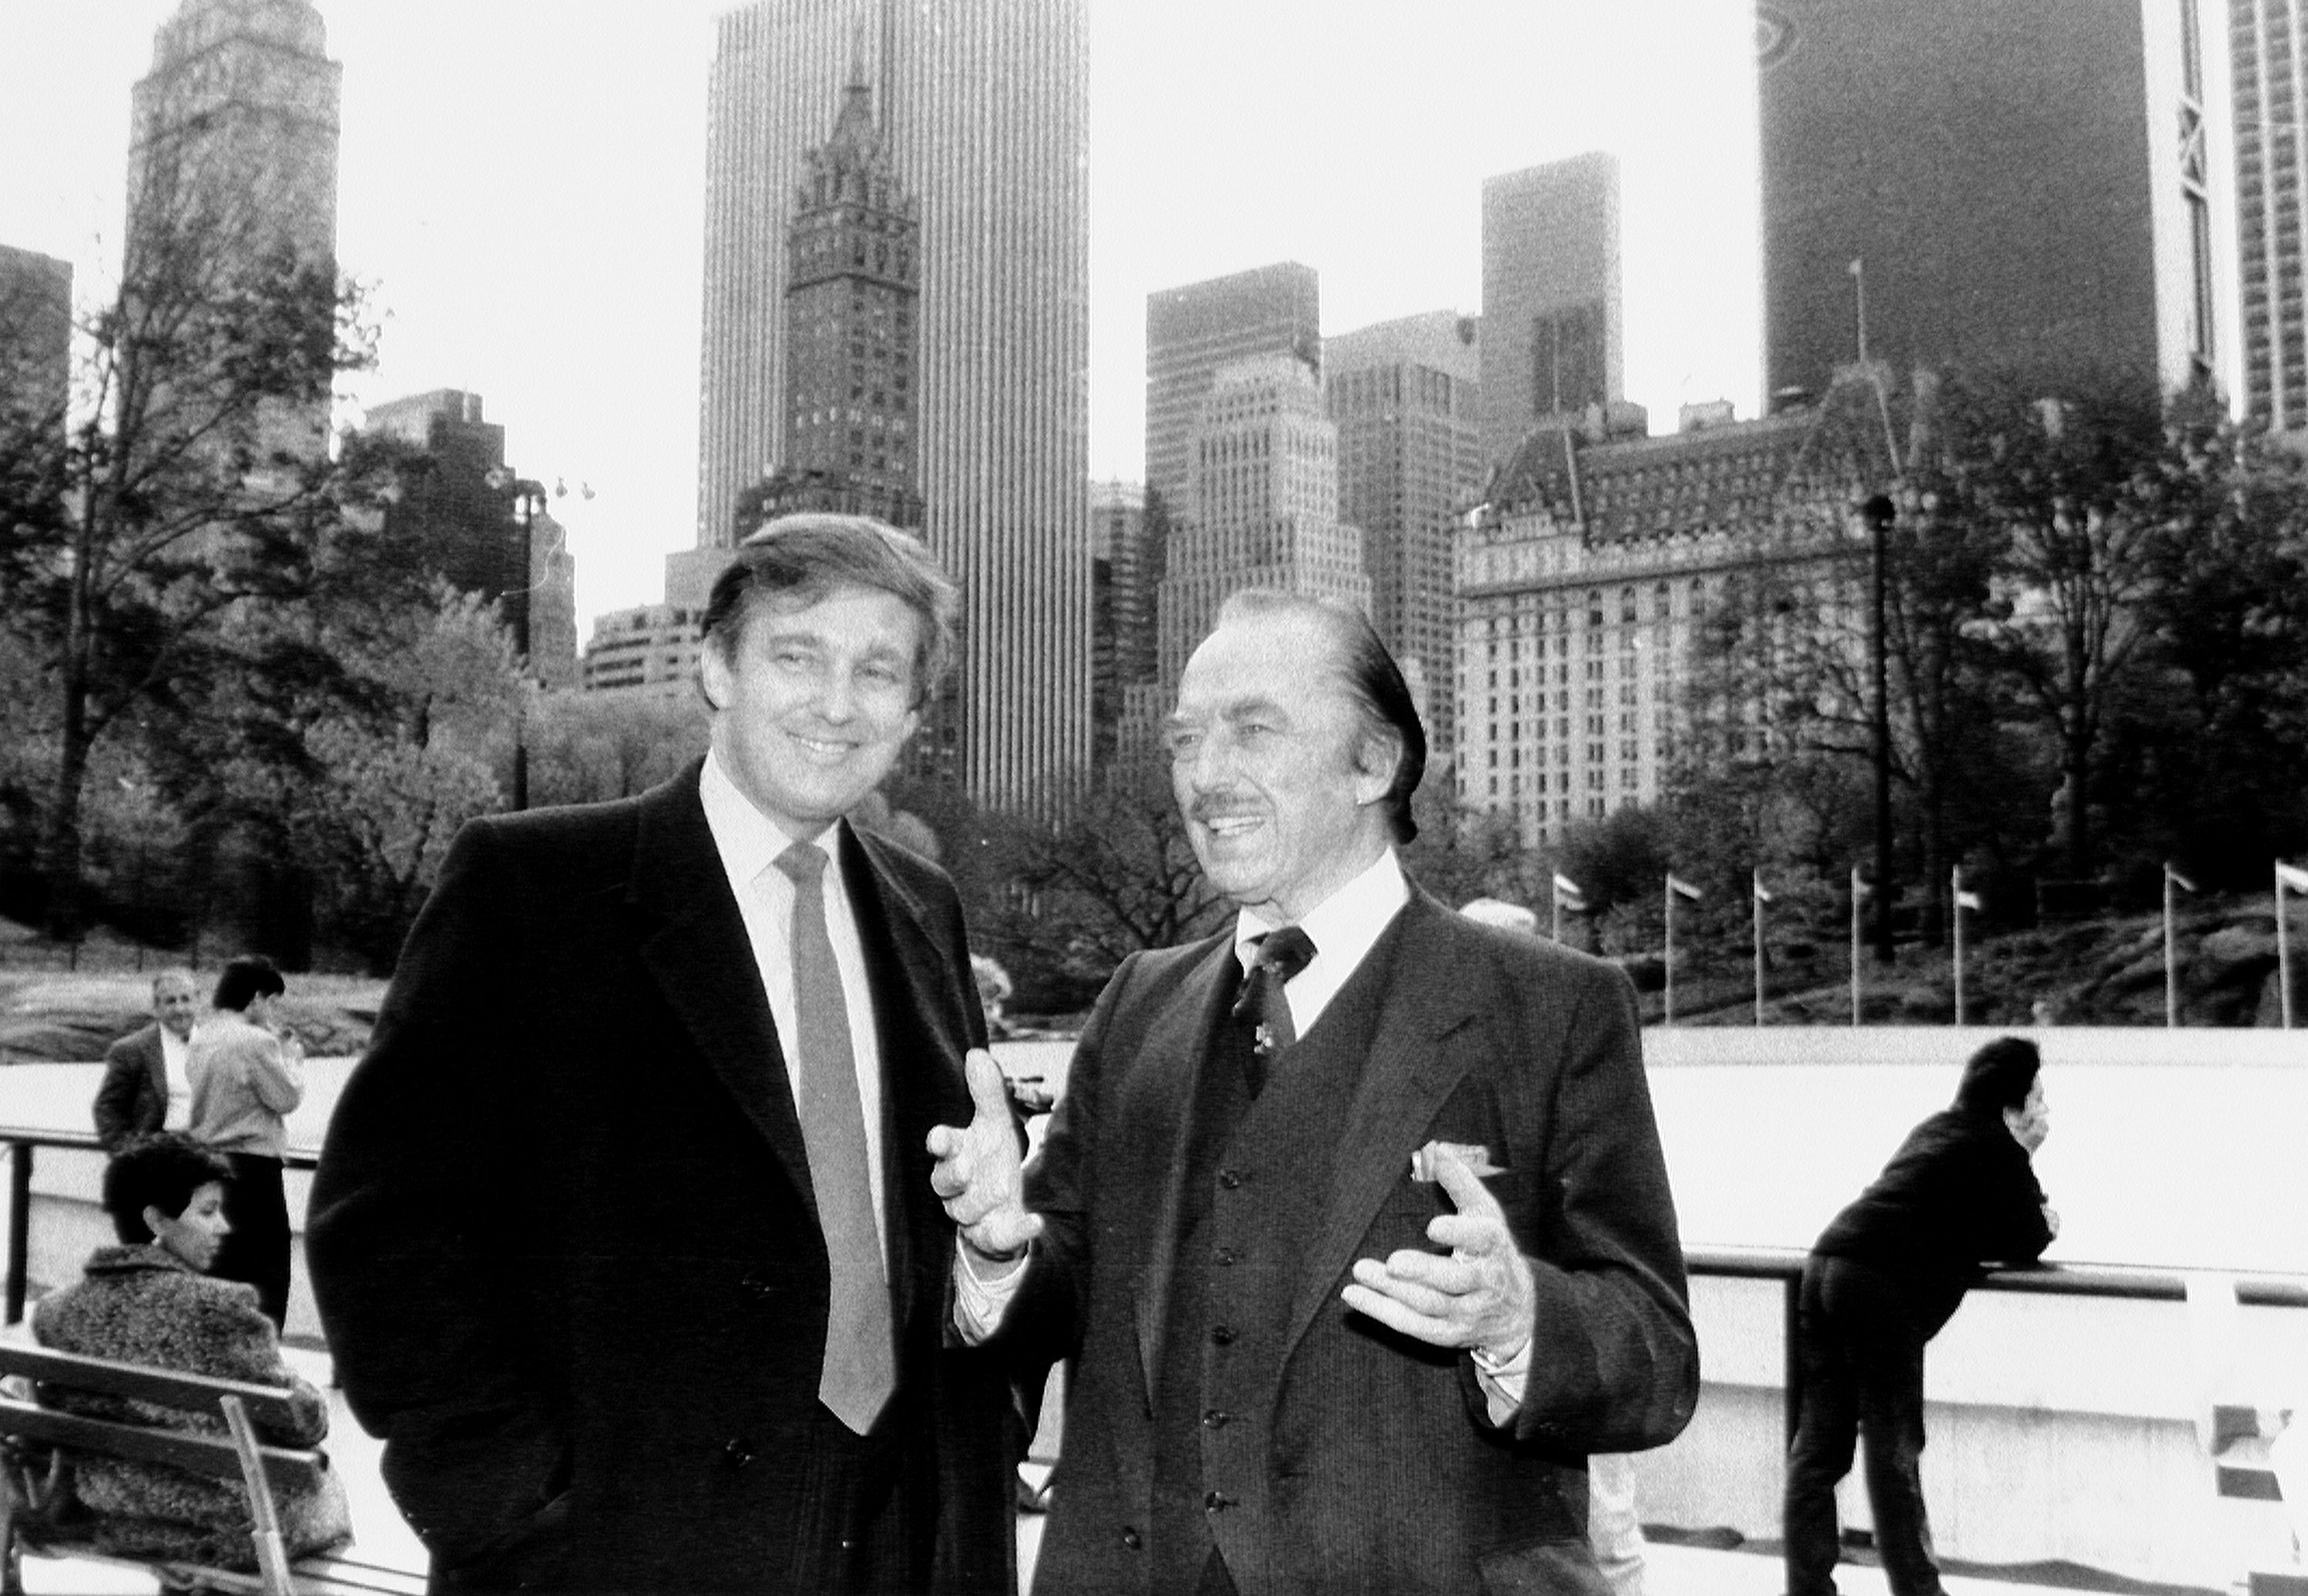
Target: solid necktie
[[1262, 1004], [860, 1367]]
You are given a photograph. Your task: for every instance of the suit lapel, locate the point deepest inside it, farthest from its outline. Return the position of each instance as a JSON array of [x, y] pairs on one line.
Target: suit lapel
[[1177, 1036], [693, 941], [1406, 1079], [918, 1019]]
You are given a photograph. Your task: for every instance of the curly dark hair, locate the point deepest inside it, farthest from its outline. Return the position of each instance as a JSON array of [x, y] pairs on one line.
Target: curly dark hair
[[162, 1172]]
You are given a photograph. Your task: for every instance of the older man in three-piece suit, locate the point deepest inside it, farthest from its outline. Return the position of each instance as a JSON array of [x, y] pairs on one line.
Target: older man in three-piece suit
[[624, 1233], [1353, 1216]]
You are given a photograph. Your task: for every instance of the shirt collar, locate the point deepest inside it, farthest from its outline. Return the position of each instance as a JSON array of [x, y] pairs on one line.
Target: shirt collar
[[748, 840], [1344, 926]]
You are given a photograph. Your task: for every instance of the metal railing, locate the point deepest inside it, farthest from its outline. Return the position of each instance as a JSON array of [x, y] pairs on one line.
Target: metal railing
[[2126, 1282], [20, 1141]]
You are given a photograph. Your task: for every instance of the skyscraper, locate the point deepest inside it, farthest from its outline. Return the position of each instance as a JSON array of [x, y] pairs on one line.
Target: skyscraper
[[1124, 568], [1404, 397], [1193, 330], [460, 507], [1262, 506], [983, 107], [2017, 185], [1551, 310], [853, 277], [232, 160], [2270, 96], [35, 345]]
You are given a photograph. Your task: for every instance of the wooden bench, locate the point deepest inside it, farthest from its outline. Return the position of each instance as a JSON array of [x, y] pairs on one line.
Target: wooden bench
[[35, 1475]]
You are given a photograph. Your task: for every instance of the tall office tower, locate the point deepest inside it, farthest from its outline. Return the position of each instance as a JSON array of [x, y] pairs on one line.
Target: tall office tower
[[35, 345], [1191, 332], [1262, 506], [983, 110], [1551, 310], [1125, 566], [2269, 63], [2025, 186], [232, 157], [1404, 397], [462, 509]]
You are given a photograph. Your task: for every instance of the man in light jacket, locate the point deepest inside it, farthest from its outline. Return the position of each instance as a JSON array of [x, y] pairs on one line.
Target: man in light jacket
[[247, 1073]]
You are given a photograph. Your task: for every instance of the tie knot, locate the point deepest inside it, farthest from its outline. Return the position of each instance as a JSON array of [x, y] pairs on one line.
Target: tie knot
[[1286, 951], [804, 863]]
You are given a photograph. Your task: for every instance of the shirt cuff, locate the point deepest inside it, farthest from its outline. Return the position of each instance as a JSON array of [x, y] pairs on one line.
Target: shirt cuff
[[982, 1292], [1502, 1381]]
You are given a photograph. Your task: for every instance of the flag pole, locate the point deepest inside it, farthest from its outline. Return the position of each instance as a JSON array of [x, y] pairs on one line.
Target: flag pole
[[2173, 879], [1855, 944], [1955, 880], [2283, 948], [1669, 1001], [1758, 895]]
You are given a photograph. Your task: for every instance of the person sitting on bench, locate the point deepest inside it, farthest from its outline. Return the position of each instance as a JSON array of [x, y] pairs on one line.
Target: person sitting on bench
[[150, 1301]]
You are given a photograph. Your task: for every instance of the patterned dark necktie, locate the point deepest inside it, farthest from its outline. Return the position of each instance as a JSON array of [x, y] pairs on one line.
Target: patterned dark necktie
[[861, 1367], [1261, 1003]]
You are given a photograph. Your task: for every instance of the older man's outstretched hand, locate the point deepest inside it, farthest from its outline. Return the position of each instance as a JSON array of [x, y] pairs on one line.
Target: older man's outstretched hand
[[978, 1172], [1478, 1296]]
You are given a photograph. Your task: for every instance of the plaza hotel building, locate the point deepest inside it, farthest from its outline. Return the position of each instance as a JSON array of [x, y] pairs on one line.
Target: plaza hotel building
[[1582, 579]]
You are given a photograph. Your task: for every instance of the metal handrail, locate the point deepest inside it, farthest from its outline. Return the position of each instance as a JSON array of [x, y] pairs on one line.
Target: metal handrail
[[2132, 1281], [21, 1140]]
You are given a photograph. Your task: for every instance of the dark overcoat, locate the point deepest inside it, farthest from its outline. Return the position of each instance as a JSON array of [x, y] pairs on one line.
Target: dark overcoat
[[1370, 1461], [563, 1237]]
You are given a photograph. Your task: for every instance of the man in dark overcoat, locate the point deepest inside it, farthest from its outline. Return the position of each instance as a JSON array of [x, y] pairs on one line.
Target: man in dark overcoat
[[623, 1234], [1357, 1223]]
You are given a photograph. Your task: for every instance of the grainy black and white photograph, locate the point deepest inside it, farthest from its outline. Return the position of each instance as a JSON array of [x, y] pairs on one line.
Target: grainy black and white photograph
[[1186, 797]]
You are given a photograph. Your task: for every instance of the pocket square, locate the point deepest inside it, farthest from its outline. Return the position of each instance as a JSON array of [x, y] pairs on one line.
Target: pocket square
[[1474, 1155]]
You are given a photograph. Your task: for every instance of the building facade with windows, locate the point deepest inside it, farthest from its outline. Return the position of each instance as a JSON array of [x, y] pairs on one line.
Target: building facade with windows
[[1193, 330], [649, 650], [1582, 585], [1552, 335], [1403, 398], [36, 324], [2269, 60]]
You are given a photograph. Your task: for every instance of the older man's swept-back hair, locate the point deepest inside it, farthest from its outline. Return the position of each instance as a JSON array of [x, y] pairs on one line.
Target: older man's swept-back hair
[[1372, 678], [797, 560], [162, 1171]]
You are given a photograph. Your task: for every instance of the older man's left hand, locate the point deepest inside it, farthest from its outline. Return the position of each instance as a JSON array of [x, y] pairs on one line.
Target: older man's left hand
[[1479, 1296]]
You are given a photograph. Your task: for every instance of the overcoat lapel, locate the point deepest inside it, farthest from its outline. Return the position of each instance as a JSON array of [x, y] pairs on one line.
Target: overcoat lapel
[[693, 943], [1177, 1036], [1406, 1078]]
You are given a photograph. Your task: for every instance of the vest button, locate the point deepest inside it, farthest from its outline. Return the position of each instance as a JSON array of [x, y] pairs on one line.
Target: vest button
[[1131, 1539], [1217, 1501], [1227, 1257], [737, 1452], [1223, 1334], [1216, 1419], [1231, 1180]]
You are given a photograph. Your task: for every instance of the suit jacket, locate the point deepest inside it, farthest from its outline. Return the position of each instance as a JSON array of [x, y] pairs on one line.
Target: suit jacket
[[563, 1237], [133, 1099], [1383, 1472]]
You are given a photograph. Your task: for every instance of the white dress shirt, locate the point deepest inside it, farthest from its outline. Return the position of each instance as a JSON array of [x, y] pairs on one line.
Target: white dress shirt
[[175, 1050], [749, 843]]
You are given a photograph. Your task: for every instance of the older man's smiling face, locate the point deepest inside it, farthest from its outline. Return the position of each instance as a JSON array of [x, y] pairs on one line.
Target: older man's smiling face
[[1263, 762]]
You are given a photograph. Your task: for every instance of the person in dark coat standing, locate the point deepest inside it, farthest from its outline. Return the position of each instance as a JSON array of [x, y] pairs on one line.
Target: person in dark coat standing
[[145, 1088], [623, 1234], [1355, 1220], [1880, 1282]]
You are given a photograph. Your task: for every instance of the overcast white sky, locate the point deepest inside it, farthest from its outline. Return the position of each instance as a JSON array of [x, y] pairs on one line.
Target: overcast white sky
[[522, 181]]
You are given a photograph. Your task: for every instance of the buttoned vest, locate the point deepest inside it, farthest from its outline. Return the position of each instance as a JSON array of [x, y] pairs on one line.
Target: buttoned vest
[[1257, 1183]]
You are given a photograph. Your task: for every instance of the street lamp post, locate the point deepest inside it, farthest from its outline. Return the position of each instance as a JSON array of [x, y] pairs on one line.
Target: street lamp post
[[528, 494], [1878, 512]]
